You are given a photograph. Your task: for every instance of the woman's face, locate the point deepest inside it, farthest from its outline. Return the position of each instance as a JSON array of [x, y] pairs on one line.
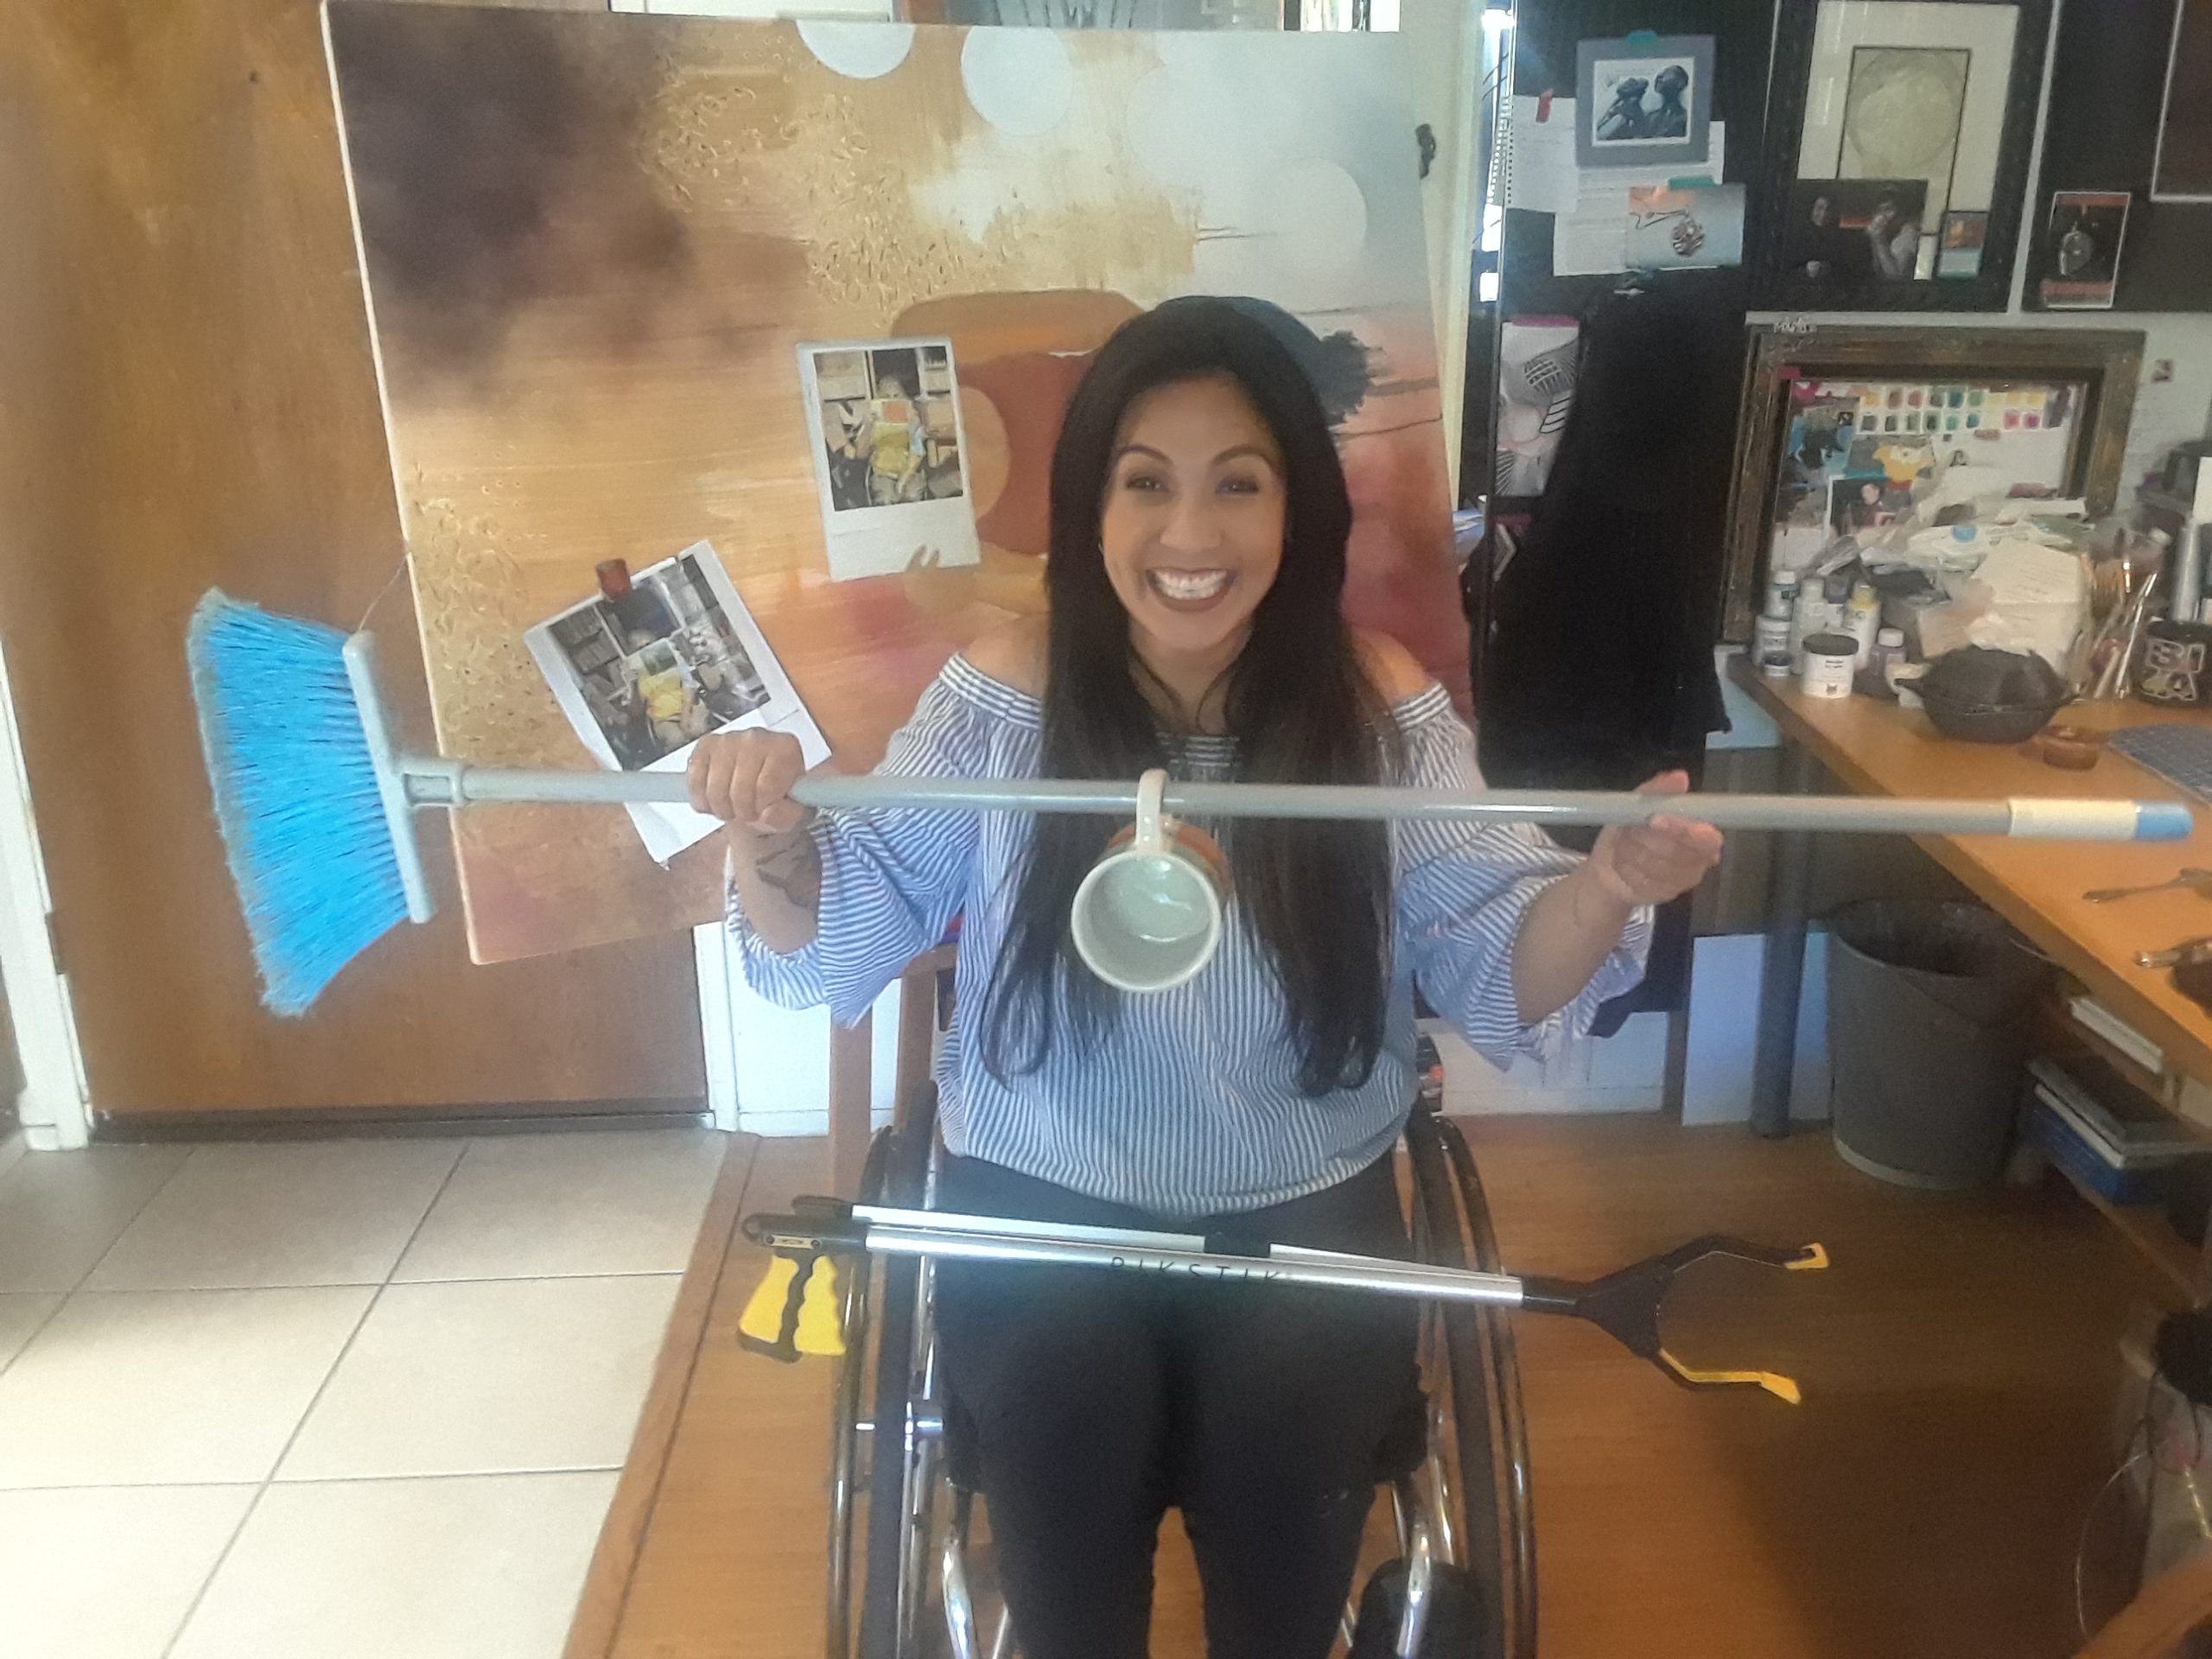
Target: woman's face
[[1192, 522]]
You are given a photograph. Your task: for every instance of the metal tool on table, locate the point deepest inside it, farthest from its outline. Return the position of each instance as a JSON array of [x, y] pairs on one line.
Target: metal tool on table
[[1625, 1305], [316, 802], [2196, 952], [2196, 880]]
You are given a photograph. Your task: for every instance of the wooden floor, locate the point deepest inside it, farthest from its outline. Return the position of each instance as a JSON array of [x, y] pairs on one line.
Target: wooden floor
[[1958, 1364]]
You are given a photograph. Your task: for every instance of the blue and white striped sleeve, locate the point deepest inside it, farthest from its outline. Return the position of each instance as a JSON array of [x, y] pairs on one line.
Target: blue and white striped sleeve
[[1463, 892], [891, 880]]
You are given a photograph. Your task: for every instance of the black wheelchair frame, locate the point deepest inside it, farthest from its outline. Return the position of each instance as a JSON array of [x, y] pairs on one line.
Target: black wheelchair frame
[[902, 1584]]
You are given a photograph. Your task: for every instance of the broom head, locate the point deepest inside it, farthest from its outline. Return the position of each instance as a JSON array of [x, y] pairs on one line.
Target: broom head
[[296, 795]]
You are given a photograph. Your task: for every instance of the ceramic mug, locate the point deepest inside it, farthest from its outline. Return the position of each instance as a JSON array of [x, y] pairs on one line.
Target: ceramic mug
[[1149, 913]]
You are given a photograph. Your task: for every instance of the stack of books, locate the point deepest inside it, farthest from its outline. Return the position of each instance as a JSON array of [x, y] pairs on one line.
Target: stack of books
[[2104, 1130]]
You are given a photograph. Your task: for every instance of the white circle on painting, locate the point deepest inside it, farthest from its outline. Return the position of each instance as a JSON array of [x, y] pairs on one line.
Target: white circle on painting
[[1019, 79], [1318, 212], [1167, 129], [859, 51]]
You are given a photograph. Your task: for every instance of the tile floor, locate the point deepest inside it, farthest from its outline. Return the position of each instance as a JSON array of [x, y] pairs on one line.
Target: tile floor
[[325, 1399]]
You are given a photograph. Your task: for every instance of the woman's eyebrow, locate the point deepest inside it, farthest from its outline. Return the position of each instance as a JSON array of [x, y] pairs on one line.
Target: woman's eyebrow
[[1234, 453], [1141, 449], [1252, 449]]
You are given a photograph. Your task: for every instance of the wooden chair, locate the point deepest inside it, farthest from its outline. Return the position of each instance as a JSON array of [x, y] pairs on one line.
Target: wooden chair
[[2172, 1619], [852, 1062]]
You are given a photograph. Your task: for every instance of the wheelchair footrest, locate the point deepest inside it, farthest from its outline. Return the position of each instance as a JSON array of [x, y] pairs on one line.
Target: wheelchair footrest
[[1452, 1621]]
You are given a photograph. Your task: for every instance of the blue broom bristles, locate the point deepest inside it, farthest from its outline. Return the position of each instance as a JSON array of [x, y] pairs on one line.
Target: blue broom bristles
[[295, 795]]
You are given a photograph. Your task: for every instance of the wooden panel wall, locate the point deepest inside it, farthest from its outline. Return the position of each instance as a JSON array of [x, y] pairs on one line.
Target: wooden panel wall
[[186, 399]]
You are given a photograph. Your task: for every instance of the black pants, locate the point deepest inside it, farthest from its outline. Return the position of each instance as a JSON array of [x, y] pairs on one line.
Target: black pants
[[1097, 1399]]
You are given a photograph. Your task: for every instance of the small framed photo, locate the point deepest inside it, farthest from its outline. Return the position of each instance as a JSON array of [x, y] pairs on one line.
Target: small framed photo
[[1958, 257], [2081, 252], [1643, 101]]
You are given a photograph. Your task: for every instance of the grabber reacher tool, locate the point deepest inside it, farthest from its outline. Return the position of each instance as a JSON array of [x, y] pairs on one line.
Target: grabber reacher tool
[[784, 1316]]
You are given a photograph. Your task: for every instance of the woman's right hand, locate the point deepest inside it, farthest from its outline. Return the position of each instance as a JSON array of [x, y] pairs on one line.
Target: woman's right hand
[[745, 779]]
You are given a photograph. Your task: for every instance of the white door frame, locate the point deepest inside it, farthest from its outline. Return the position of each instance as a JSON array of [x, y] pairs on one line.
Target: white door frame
[[56, 1106]]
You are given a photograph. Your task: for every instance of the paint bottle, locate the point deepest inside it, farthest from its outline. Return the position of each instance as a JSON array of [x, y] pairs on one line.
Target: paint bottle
[[1829, 658], [1813, 614], [1769, 635], [1862, 619], [1874, 678]]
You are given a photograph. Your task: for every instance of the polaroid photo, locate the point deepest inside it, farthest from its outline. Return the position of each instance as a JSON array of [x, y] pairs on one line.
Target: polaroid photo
[[656, 661], [890, 456], [1860, 504], [1643, 101]]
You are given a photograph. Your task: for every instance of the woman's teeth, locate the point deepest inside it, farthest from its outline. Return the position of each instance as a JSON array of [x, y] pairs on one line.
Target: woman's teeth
[[1188, 586]]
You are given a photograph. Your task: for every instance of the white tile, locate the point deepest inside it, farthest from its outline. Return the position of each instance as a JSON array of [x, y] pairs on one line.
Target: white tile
[[487, 1376], [60, 1211], [484, 1567], [152, 1388], [108, 1573], [21, 1314], [244, 1216], [539, 1205]]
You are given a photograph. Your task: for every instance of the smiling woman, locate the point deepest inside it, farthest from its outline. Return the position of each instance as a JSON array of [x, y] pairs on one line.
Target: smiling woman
[[1191, 531], [1199, 523]]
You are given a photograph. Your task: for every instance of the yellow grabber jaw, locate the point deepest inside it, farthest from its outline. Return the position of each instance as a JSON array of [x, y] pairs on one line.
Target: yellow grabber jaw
[[798, 1309], [1625, 1305]]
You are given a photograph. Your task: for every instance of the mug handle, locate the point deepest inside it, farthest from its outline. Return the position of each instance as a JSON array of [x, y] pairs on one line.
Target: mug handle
[[1151, 822]]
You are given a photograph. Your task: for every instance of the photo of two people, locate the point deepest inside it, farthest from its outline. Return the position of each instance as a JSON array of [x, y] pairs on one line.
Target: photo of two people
[[1641, 101], [889, 427], [1852, 230]]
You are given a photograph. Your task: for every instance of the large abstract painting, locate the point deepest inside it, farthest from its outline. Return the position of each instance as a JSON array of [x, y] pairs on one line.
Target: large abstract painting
[[594, 246]]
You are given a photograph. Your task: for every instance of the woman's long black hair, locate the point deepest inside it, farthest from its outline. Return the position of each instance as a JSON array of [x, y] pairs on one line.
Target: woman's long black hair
[[1316, 896]]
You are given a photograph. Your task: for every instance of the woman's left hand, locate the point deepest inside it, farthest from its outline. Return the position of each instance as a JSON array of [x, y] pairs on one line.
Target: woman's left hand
[[1650, 863]]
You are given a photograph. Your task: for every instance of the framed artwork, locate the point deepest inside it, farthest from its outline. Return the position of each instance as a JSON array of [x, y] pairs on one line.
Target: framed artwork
[[1836, 421], [1899, 146], [2082, 251], [1644, 101], [817, 294], [2182, 167]]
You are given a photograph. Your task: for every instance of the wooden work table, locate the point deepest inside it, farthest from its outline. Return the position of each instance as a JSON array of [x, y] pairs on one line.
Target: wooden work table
[[1879, 749]]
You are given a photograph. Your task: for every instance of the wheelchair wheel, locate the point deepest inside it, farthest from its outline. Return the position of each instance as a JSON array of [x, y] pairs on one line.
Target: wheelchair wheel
[[1478, 1445], [845, 1419], [901, 1494]]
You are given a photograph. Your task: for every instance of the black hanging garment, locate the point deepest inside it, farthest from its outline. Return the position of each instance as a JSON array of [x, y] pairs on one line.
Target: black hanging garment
[[1599, 668]]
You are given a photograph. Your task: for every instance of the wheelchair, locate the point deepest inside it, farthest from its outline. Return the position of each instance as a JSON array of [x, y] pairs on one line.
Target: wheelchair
[[908, 1577]]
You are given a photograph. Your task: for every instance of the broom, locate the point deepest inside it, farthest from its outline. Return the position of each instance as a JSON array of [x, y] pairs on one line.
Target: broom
[[316, 805]]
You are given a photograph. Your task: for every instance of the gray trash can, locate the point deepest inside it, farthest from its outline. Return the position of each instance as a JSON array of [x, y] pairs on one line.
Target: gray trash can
[[1927, 1032]]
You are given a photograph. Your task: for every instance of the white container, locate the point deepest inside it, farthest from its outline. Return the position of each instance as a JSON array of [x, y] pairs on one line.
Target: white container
[[1829, 660], [1813, 614], [1862, 619]]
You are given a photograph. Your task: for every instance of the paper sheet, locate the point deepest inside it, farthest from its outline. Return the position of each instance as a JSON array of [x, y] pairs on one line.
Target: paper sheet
[[1541, 171]]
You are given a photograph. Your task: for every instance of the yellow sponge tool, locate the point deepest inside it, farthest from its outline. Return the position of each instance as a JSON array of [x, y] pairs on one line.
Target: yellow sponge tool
[[795, 1310]]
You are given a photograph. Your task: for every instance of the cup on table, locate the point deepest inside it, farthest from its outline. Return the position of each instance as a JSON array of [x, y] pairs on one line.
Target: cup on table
[[1148, 915]]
